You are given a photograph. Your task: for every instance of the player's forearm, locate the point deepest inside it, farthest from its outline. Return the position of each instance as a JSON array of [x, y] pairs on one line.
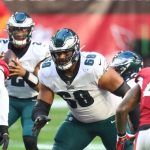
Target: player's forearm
[[41, 108], [121, 121]]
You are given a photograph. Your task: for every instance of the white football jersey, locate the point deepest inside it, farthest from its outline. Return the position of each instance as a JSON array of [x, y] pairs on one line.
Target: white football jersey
[[36, 52], [87, 102], [4, 100]]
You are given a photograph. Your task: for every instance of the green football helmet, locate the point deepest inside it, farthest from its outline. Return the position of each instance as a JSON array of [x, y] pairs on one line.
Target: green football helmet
[[127, 64], [65, 40]]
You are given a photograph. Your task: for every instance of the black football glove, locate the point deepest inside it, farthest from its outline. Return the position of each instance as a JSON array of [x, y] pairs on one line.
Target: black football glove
[[4, 141], [4, 137], [39, 123]]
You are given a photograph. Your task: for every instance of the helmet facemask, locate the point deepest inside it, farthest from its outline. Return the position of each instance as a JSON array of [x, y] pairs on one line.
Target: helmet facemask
[[20, 36]]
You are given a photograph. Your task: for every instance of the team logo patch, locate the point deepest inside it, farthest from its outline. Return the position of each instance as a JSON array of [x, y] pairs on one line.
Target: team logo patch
[[46, 64]]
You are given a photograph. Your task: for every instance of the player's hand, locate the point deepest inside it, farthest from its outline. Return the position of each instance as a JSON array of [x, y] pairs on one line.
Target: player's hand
[[4, 140], [2, 55], [16, 68], [122, 139], [39, 123]]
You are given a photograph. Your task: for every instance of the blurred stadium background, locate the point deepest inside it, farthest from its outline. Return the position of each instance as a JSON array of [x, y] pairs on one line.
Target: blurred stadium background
[[106, 26]]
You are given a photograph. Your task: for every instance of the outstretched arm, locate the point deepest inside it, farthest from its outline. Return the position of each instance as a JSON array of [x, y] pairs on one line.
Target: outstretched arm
[[41, 109], [129, 102], [113, 82]]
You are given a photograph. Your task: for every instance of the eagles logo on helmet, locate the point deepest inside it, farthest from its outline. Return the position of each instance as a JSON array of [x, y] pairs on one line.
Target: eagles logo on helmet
[[127, 64], [20, 21], [65, 40]]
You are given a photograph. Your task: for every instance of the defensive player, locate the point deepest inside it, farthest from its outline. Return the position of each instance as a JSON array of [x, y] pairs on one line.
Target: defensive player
[[83, 80], [26, 56], [4, 106], [128, 64], [140, 93]]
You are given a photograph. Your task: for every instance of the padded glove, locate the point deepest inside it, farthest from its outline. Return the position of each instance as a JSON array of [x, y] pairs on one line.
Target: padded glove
[[4, 137], [39, 123], [122, 139]]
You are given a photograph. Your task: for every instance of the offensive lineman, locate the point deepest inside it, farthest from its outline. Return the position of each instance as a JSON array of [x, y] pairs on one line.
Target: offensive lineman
[[23, 72], [83, 80], [4, 106]]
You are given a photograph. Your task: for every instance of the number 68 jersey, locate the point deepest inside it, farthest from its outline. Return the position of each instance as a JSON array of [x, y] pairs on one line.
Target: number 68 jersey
[[87, 102]]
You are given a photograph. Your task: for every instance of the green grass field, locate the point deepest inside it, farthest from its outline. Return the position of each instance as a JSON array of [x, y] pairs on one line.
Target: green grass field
[[46, 137]]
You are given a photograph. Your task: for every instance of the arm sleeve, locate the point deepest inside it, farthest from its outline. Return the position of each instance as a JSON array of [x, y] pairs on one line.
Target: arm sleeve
[[4, 101], [100, 66]]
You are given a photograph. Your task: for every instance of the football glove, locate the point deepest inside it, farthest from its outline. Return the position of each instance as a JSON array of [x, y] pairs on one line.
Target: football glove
[[4, 137], [39, 123], [4, 141], [122, 139]]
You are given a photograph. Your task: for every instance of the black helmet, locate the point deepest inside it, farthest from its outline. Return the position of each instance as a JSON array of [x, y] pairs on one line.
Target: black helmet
[[65, 40], [20, 21], [127, 64]]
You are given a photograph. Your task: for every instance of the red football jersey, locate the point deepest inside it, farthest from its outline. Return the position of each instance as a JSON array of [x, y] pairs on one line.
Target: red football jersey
[[143, 79], [4, 68]]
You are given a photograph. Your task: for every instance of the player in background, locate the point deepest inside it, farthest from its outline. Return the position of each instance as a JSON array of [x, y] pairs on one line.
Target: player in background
[[128, 64], [139, 94], [25, 57], [84, 80], [4, 106]]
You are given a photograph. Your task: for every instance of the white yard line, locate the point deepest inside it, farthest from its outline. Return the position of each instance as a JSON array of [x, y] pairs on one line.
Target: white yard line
[[90, 147], [49, 146]]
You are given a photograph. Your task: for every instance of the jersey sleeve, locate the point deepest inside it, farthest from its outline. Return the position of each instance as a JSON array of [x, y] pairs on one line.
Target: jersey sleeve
[[4, 68], [41, 50], [44, 71], [100, 66]]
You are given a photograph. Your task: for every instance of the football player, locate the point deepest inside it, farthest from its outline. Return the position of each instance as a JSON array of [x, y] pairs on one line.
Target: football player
[[84, 80], [139, 94], [128, 64], [23, 83], [4, 104]]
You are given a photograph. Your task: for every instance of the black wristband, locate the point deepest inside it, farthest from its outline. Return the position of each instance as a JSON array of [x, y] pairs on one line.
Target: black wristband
[[26, 76], [121, 91], [121, 134], [40, 108], [31, 79], [3, 129]]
